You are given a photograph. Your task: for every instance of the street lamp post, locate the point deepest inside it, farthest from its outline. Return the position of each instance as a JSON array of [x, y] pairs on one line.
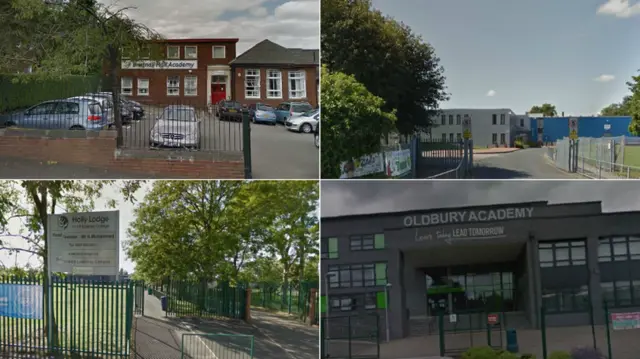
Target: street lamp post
[[386, 308]]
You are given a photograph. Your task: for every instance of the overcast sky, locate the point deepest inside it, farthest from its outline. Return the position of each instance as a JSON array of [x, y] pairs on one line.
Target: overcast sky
[[361, 197], [288, 23], [109, 193], [575, 54]]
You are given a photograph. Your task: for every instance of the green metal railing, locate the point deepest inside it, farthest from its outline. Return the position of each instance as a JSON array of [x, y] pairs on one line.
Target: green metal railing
[[614, 337], [216, 346], [293, 299], [350, 337], [91, 318], [202, 299]]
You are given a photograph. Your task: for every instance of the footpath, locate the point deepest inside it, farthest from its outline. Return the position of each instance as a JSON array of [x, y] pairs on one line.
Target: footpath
[[275, 336]]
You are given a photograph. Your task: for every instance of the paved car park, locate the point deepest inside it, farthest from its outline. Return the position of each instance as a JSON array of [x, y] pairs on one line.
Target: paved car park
[[276, 152]]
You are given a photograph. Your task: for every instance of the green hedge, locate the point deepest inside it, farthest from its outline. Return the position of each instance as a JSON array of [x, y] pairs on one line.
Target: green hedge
[[19, 91]]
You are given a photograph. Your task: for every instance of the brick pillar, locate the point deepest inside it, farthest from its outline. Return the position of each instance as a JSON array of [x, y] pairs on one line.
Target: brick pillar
[[312, 305], [247, 309]]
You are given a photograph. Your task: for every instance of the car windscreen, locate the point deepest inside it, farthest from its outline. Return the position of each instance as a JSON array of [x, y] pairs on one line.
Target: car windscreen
[[186, 115], [302, 108], [264, 108]]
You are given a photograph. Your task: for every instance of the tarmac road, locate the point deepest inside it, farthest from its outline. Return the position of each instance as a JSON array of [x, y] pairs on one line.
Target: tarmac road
[[528, 163]]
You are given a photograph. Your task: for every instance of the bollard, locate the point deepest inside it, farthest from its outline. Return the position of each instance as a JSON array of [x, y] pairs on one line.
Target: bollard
[[149, 291], [512, 341], [163, 302]]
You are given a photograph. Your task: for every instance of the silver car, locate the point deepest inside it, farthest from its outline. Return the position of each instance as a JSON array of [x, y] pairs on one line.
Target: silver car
[[69, 114], [306, 122], [177, 126], [106, 105]]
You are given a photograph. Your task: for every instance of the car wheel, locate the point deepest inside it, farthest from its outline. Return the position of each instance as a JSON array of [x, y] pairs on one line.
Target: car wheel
[[76, 128], [306, 128]]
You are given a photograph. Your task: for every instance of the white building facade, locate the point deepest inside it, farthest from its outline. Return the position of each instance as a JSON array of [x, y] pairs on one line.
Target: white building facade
[[489, 127]]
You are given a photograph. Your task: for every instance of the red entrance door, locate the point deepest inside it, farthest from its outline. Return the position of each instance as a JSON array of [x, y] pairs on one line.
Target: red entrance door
[[218, 93]]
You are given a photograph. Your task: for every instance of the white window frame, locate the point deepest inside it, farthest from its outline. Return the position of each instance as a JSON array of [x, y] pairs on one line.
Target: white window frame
[[277, 93], [173, 58], [195, 83], [196, 53], [173, 87], [213, 52], [123, 87], [293, 76], [255, 75], [141, 80]]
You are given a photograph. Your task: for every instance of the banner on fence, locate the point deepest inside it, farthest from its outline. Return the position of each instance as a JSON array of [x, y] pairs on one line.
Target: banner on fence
[[363, 166], [623, 321], [21, 301], [398, 163]]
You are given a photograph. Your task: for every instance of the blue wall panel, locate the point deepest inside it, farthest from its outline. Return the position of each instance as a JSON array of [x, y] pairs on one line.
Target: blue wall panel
[[556, 128]]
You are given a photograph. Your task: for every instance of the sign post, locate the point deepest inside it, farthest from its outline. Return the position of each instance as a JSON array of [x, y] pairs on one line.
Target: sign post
[[466, 127], [467, 153], [573, 128]]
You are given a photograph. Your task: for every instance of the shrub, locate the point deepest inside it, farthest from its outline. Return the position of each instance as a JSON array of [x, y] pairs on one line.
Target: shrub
[[20, 91], [480, 353], [507, 355], [560, 355], [586, 353], [527, 356]]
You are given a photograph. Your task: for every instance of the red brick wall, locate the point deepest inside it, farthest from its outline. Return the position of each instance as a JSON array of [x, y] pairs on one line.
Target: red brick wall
[[158, 78], [99, 150], [238, 92]]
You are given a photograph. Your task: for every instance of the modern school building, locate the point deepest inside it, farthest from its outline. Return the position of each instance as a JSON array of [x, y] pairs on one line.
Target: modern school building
[[512, 258]]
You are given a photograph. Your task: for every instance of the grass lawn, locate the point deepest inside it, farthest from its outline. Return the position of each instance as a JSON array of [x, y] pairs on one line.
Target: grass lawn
[[632, 158], [89, 318]]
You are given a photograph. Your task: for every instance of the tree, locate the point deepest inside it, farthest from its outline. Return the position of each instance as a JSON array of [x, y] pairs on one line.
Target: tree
[[386, 57], [618, 109], [82, 37], [634, 105], [353, 121], [548, 110], [219, 230]]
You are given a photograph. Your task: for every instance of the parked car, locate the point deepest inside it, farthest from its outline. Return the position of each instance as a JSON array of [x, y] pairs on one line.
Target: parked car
[[68, 114], [287, 110], [126, 113], [135, 107], [177, 126], [261, 113], [316, 135], [305, 122], [230, 110]]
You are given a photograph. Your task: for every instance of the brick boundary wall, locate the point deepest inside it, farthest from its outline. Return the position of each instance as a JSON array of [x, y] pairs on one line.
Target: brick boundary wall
[[98, 149]]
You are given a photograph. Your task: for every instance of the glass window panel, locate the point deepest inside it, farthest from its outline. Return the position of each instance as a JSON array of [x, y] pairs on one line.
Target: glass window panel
[[562, 263], [545, 245], [369, 275], [604, 251], [607, 292], [619, 251], [550, 301], [345, 277], [578, 253], [619, 239], [636, 291], [566, 301], [562, 254], [546, 255], [357, 276], [623, 293], [634, 250], [562, 244], [367, 243]]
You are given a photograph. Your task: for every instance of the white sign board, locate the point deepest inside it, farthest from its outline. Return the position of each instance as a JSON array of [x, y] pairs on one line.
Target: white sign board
[[160, 65], [84, 243], [466, 127], [607, 126], [453, 318]]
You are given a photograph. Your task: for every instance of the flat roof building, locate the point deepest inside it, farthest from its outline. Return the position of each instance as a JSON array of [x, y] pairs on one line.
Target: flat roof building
[[489, 127], [510, 258]]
